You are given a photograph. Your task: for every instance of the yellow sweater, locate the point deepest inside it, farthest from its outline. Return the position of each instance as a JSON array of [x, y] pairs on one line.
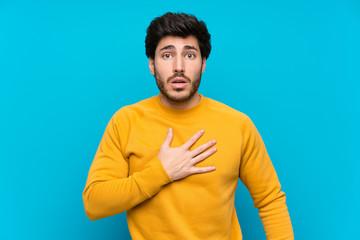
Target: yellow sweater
[[126, 174]]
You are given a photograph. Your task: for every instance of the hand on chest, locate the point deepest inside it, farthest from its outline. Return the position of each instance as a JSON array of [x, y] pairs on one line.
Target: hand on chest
[[145, 140]]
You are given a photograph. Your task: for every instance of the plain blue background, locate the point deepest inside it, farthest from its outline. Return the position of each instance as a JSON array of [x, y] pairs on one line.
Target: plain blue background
[[67, 66]]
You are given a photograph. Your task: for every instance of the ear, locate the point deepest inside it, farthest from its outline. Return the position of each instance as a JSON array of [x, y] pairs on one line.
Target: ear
[[152, 66], [203, 65]]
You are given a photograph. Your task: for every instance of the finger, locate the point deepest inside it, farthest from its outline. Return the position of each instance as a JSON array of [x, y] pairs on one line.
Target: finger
[[168, 138], [196, 170], [202, 148], [203, 156], [193, 139]]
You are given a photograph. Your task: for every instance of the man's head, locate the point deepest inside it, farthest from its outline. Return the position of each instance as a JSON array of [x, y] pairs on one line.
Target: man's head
[[177, 46]]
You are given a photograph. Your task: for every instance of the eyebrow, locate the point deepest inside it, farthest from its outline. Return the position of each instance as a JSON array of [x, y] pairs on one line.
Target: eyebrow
[[168, 47], [187, 47]]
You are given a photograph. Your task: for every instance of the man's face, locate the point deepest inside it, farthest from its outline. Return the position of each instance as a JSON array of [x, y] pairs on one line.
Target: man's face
[[177, 68]]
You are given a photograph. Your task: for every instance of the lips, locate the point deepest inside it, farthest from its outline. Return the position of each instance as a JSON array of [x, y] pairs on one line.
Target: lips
[[178, 82]]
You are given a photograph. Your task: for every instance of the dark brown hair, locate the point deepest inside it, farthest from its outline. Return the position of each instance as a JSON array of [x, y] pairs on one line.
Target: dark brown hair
[[179, 25]]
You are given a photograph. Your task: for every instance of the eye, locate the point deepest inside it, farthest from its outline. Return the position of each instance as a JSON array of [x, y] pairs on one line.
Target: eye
[[190, 55], [166, 55]]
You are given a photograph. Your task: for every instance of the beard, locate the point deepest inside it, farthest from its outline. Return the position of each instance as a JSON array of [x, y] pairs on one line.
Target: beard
[[194, 83]]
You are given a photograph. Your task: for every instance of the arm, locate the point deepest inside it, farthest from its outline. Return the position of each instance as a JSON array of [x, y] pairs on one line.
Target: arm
[[109, 189], [260, 178]]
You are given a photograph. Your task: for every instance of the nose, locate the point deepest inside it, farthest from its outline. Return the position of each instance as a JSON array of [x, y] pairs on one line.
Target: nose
[[179, 64]]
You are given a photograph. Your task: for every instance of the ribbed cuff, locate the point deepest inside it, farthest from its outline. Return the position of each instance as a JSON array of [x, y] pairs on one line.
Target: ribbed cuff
[[152, 178]]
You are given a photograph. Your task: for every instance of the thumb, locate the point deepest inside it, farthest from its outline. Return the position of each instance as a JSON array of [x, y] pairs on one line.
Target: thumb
[[168, 138]]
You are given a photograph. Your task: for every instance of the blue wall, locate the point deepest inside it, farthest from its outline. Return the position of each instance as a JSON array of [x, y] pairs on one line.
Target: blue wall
[[67, 66]]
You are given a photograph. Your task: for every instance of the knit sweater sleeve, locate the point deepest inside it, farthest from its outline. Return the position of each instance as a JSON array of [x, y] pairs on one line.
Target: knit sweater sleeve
[[259, 176], [109, 188]]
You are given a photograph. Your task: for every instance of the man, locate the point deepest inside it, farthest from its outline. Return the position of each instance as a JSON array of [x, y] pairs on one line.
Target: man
[[182, 187]]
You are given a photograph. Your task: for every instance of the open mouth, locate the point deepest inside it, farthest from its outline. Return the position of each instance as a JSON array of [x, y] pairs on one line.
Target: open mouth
[[178, 83]]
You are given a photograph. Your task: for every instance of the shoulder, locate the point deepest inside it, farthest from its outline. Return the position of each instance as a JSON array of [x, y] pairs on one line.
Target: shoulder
[[131, 113], [229, 113]]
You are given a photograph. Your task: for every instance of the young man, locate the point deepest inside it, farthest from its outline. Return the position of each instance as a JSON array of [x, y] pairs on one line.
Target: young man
[[182, 187]]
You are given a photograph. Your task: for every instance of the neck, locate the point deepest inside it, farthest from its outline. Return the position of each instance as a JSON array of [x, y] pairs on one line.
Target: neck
[[193, 101]]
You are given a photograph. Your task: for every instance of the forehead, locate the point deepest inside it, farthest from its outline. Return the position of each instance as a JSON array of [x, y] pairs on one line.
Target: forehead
[[178, 42]]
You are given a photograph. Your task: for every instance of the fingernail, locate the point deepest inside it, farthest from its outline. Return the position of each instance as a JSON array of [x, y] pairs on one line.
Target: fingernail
[[202, 130]]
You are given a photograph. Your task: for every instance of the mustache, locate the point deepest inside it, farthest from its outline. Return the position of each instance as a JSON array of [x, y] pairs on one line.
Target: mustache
[[178, 74]]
